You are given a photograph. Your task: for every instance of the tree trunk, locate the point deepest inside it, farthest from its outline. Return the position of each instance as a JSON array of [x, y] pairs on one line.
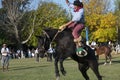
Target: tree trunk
[[17, 37]]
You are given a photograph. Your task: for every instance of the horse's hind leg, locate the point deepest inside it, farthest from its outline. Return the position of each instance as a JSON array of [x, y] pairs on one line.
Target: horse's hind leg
[[83, 68], [56, 69], [61, 67], [110, 58], [94, 67]]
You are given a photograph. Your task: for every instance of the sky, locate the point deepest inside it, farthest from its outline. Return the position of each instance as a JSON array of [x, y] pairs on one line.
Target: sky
[[62, 3], [0, 4], [34, 4]]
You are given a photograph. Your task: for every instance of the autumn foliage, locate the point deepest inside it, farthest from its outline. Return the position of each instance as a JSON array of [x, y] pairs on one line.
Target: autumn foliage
[[101, 22]]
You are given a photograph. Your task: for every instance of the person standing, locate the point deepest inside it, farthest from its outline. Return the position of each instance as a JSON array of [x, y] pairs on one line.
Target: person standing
[[50, 52], [37, 55], [5, 57], [93, 45]]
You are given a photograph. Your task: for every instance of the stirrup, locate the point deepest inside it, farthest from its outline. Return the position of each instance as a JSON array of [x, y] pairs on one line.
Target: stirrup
[[81, 52]]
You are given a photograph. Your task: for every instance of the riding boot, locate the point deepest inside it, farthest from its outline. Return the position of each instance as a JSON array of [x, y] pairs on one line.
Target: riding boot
[[78, 42], [78, 39]]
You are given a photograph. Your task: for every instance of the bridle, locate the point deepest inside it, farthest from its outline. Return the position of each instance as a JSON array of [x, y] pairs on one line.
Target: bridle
[[51, 40]]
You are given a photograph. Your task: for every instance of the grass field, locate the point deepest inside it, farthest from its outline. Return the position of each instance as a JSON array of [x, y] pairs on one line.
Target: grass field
[[28, 69]]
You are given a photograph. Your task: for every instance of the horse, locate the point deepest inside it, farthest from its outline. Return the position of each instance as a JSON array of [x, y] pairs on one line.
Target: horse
[[106, 50], [65, 47]]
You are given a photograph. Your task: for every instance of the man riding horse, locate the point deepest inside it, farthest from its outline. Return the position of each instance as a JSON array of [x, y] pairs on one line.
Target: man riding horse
[[77, 22], [66, 43]]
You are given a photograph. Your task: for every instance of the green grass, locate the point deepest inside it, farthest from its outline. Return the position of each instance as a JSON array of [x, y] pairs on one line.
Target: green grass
[[28, 69]]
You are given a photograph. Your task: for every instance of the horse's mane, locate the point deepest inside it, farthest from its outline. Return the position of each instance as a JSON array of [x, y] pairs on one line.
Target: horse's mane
[[53, 29], [52, 32]]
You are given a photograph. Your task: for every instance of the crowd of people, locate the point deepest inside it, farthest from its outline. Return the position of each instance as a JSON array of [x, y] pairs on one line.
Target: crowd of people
[[7, 53], [18, 54]]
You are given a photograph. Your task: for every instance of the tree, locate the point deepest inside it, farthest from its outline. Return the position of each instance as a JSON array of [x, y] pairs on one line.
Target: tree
[[14, 12], [51, 15], [100, 20], [117, 13]]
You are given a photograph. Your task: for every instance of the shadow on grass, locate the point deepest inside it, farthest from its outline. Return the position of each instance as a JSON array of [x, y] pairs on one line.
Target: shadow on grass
[[26, 67], [113, 61], [116, 61]]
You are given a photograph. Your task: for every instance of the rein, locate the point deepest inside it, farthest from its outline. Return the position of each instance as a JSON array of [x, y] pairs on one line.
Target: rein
[[53, 37]]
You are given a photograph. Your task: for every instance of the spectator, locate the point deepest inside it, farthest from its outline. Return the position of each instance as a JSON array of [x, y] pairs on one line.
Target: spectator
[[37, 55], [22, 54], [32, 52], [117, 49], [29, 53], [18, 54], [5, 57], [93, 45], [50, 52]]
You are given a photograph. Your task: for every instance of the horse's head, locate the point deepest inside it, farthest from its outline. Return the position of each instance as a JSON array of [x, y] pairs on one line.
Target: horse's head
[[45, 39], [41, 49]]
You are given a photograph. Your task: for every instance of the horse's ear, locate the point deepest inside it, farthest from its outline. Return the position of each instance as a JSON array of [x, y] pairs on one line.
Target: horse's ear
[[43, 31], [46, 33]]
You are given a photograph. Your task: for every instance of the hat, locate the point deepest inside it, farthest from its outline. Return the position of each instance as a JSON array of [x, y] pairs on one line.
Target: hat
[[78, 3], [4, 44]]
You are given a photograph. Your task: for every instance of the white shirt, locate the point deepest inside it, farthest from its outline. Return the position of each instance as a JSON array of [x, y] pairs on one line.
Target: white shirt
[[77, 16], [50, 50], [36, 51], [4, 51]]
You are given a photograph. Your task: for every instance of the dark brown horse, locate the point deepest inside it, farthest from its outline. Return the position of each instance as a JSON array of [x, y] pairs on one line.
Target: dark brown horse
[[106, 50]]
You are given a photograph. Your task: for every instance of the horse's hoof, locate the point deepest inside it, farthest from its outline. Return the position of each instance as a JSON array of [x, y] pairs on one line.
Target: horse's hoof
[[58, 78], [110, 63], [64, 73], [105, 63]]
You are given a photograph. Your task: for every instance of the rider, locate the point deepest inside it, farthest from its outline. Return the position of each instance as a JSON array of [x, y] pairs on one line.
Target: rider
[[77, 22]]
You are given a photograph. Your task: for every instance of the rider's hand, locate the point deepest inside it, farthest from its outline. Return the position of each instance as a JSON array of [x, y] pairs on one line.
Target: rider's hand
[[62, 27]]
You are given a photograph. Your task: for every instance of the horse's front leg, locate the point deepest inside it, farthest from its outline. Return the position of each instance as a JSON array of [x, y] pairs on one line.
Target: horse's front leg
[[56, 69], [105, 60], [62, 67]]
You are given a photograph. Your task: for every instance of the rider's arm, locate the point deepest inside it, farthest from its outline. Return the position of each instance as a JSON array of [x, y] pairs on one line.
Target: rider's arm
[[67, 1], [2, 50], [65, 25], [69, 4], [70, 22]]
